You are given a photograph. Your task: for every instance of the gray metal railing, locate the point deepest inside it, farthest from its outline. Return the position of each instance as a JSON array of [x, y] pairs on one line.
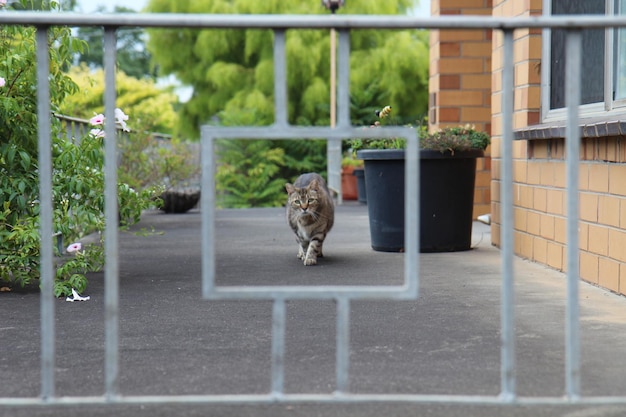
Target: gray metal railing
[[76, 128], [281, 129]]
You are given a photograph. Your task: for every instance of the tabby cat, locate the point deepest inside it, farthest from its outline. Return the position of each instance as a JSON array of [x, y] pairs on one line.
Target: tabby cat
[[311, 214]]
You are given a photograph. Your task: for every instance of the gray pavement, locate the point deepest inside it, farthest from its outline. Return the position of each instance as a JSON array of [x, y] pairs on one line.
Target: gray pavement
[[446, 342]]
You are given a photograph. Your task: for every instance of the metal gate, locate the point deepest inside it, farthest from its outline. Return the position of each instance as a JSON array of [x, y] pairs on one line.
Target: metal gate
[[342, 295]]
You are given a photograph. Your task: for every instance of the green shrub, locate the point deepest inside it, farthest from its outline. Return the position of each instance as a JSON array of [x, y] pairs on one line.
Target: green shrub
[[77, 176], [246, 176]]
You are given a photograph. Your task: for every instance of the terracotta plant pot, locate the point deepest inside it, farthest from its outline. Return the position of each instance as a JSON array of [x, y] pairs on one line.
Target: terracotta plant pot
[[348, 183]]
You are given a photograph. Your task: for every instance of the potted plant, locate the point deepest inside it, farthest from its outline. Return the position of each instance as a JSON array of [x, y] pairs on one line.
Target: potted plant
[[447, 177], [179, 169], [156, 160]]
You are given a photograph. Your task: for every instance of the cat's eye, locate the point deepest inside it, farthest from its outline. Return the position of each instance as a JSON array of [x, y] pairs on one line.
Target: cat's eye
[[298, 202]]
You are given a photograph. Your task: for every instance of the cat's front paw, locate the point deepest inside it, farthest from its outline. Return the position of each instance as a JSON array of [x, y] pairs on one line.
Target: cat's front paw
[[310, 261]]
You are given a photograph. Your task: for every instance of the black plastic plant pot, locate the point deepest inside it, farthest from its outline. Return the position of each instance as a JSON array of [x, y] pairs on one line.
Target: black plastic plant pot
[[384, 182], [446, 199], [359, 173], [180, 200]]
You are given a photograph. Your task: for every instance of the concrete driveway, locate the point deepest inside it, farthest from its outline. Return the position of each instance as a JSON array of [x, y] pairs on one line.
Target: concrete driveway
[[447, 342]]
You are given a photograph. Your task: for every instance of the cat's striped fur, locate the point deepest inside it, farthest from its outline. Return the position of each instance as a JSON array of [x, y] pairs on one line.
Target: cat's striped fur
[[311, 214]]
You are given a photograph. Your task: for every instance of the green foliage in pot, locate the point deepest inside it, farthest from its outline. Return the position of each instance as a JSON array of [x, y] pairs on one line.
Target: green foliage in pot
[[455, 139], [449, 139], [384, 117]]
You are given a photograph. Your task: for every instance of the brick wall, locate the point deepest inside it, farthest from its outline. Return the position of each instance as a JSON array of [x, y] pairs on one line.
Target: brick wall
[[526, 108], [540, 214], [465, 87], [539, 192], [460, 83]]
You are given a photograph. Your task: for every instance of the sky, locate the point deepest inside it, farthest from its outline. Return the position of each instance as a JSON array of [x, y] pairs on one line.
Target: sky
[[88, 6]]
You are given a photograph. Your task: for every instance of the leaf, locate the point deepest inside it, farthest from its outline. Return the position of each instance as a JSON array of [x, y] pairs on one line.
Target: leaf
[[25, 160]]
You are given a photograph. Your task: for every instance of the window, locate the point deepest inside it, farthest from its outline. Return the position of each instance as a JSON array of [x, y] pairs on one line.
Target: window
[[603, 88], [620, 57]]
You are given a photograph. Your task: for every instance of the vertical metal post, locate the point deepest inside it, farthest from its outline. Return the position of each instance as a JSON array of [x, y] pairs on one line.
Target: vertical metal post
[[45, 216], [333, 77], [610, 58], [280, 79], [507, 375], [573, 47], [278, 347], [343, 96], [111, 276], [546, 39], [208, 220], [333, 156], [333, 146], [343, 345], [412, 214]]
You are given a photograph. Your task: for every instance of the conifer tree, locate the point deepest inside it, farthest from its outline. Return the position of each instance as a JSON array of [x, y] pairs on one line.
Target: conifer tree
[[232, 70], [231, 73]]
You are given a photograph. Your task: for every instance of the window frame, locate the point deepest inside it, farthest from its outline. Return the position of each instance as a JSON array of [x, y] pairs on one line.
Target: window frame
[[609, 107]]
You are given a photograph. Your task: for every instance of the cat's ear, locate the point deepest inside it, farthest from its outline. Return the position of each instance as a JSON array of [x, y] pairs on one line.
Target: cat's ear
[[290, 188], [314, 185]]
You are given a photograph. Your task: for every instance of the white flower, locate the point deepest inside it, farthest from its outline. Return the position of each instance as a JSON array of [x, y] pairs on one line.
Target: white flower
[[97, 133], [76, 297], [120, 118]]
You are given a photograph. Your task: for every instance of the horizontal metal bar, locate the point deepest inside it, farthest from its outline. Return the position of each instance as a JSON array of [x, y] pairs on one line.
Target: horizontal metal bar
[[177, 20], [299, 133], [345, 398], [319, 292]]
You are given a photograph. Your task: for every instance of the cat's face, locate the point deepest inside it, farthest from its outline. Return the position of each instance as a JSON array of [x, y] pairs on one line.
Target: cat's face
[[304, 200]]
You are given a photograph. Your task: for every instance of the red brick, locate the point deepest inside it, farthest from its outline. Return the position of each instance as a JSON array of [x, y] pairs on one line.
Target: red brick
[[450, 82]]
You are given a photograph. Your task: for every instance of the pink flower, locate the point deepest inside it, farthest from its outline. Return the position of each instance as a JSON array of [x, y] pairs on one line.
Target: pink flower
[[98, 119], [2, 80], [2, 4], [74, 247]]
